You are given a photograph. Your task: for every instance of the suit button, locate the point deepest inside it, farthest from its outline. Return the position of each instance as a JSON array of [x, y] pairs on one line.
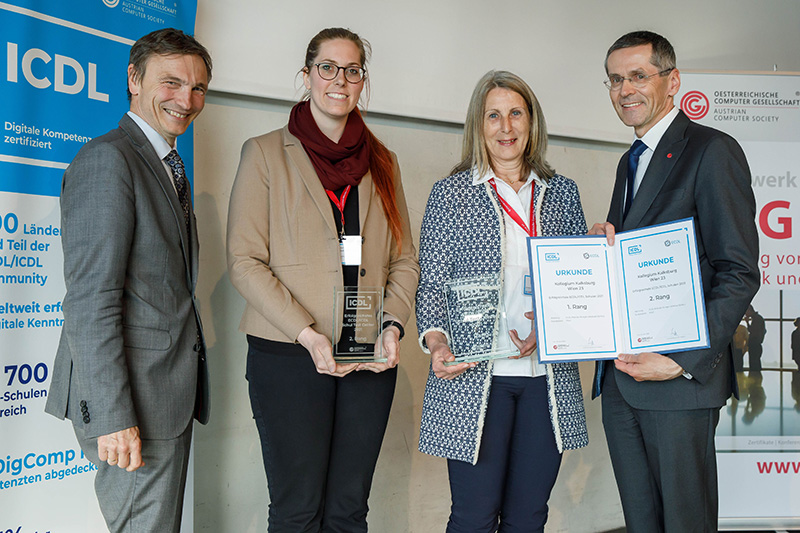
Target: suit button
[[84, 409], [86, 419], [714, 364], [83, 403], [363, 272], [197, 347]]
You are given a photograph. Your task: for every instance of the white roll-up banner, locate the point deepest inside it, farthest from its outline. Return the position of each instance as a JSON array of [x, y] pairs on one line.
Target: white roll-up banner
[[758, 437]]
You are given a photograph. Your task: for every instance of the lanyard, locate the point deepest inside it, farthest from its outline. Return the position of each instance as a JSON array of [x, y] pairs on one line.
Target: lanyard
[[339, 202], [530, 231]]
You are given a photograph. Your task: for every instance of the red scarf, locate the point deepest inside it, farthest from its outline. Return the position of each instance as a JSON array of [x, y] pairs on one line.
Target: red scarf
[[337, 165]]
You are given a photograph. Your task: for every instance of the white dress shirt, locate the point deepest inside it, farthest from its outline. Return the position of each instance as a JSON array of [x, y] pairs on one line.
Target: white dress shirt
[[515, 269], [651, 140], [159, 144]]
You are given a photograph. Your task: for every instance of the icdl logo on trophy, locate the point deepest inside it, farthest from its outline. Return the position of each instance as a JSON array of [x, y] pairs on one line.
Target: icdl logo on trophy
[[695, 105], [356, 302]]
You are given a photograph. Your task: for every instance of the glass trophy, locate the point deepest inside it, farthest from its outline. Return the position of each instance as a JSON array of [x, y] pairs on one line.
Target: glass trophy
[[477, 316], [357, 321]]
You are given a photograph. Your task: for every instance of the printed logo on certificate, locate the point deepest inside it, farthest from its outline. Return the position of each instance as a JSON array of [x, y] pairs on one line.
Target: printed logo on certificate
[[594, 301], [357, 320], [476, 314]]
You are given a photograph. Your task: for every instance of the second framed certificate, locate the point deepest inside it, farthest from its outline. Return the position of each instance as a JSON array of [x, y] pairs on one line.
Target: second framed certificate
[[594, 301]]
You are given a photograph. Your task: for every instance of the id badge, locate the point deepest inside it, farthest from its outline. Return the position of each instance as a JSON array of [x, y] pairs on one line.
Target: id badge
[[527, 290], [350, 247]]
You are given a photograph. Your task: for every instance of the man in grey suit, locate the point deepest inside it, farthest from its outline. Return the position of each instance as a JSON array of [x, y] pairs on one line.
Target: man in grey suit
[[130, 371], [660, 412]]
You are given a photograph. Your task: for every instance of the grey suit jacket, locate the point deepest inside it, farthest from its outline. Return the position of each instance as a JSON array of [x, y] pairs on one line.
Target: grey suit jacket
[[131, 350], [697, 172]]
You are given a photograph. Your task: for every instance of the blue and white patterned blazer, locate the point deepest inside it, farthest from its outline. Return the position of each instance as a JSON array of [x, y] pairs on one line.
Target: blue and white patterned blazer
[[463, 236]]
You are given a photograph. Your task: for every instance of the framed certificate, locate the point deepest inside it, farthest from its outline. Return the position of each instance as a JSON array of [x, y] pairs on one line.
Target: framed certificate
[[476, 316], [594, 301]]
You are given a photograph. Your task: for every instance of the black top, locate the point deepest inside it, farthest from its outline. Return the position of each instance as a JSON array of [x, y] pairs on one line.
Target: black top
[[351, 227], [349, 272]]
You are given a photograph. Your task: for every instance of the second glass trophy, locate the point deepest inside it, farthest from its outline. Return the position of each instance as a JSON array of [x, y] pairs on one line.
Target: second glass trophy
[[478, 323]]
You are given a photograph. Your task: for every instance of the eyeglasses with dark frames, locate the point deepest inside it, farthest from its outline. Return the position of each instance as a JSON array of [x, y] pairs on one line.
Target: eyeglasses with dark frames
[[329, 71]]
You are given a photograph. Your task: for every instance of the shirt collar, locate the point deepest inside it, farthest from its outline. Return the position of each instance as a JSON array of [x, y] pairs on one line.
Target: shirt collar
[[158, 143], [478, 179], [654, 134]]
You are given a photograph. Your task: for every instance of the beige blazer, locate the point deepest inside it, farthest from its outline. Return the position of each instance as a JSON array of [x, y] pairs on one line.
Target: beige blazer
[[283, 249]]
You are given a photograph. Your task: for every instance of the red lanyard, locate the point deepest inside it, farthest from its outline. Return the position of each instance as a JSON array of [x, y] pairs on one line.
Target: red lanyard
[[531, 232], [339, 202]]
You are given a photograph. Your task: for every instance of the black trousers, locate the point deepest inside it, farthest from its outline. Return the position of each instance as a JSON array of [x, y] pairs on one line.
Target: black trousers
[[754, 362], [320, 437], [664, 462]]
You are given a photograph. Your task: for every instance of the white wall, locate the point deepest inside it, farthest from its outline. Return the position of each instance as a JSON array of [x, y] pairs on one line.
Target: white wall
[[428, 54], [410, 492]]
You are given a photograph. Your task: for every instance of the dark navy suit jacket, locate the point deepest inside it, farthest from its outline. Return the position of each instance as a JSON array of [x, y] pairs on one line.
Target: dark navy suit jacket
[[699, 172]]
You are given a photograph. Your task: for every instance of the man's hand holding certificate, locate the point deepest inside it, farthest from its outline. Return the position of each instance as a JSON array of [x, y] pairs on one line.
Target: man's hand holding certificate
[[595, 301]]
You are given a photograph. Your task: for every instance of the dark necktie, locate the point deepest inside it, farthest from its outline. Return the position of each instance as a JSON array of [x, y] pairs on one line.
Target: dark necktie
[[637, 149], [181, 185]]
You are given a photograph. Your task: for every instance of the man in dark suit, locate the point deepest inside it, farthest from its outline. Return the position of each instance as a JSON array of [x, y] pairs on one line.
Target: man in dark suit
[[757, 327], [130, 371], [660, 411]]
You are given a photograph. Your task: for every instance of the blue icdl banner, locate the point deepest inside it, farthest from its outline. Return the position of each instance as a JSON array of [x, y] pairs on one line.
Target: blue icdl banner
[[63, 80]]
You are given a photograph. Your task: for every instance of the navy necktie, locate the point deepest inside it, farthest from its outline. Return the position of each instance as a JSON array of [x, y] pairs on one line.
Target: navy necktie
[[181, 185], [637, 149]]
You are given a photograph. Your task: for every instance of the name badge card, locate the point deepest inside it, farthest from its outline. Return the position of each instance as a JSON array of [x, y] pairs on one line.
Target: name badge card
[[350, 246], [594, 301]]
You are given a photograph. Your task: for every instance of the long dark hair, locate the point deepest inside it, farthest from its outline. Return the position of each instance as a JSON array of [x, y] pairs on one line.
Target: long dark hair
[[380, 159]]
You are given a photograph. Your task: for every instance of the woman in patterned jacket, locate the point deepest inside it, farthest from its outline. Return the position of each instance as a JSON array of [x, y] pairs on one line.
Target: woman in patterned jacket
[[501, 424]]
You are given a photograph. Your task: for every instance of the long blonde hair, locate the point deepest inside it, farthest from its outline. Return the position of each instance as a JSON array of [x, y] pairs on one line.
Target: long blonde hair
[[474, 153]]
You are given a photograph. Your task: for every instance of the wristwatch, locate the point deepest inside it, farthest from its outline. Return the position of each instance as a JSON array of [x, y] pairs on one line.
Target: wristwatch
[[396, 324]]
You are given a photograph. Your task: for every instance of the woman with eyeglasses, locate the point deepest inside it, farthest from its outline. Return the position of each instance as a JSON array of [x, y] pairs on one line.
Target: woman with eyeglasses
[[315, 205], [503, 424]]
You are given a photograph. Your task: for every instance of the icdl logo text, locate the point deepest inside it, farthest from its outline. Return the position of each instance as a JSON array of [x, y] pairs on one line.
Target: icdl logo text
[[355, 303], [635, 249]]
